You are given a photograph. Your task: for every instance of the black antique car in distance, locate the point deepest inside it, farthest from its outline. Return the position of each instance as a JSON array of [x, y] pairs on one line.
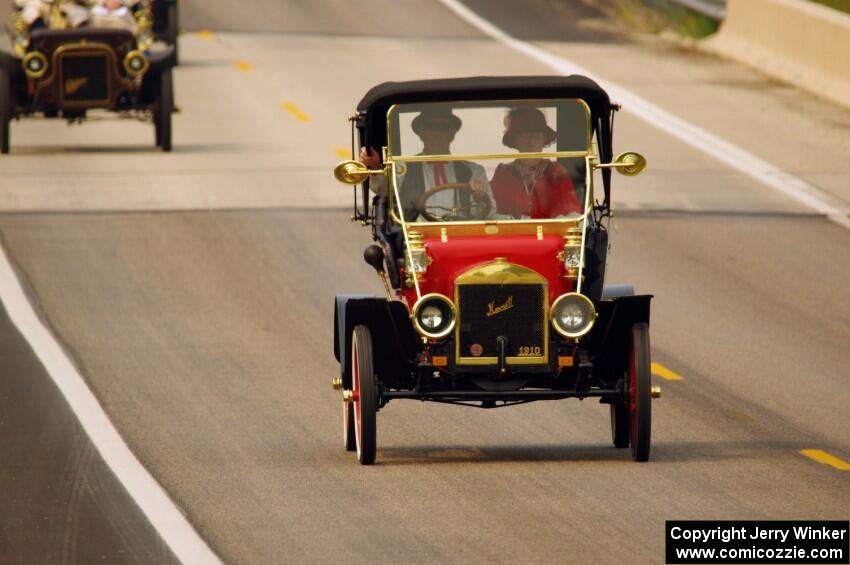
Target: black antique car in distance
[[67, 73], [491, 242]]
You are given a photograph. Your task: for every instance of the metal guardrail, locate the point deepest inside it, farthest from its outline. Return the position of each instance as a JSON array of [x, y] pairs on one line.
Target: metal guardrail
[[714, 9]]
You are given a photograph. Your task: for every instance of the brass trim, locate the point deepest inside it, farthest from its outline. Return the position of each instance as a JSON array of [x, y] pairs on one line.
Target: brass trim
[[499, 272], [427, 298], [488, 156], [29, 57], [416, 247], [591, 309], [444, 230], [628, 164], [353, 172], [132, 72]]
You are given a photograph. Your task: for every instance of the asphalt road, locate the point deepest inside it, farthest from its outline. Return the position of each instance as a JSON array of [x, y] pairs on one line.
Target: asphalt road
[[194, 291]]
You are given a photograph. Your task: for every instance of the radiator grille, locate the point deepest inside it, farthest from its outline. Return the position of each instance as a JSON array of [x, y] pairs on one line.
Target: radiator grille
[[85, 79], [515, 311]]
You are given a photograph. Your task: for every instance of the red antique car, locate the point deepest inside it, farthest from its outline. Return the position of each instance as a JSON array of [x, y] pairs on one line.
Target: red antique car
[[491, 241]]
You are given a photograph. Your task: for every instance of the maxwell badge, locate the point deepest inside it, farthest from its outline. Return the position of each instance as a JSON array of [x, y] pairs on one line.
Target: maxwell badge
[[492, 309], [476, 349]]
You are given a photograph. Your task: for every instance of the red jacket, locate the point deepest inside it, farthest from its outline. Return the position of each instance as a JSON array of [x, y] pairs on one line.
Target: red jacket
[[552, 193]]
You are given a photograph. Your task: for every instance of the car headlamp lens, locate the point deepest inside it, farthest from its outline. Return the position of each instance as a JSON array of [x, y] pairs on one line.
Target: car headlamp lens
[[35, 64], [431, 317], [135, 63], [434, 316], [573, 315]]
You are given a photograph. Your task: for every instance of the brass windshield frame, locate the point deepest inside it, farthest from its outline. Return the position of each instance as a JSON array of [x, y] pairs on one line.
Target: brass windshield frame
[[557, 225]]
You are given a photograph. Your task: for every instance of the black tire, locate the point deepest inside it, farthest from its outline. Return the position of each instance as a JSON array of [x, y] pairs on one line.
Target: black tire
[[173, 30], [163, 109], [6, 106], [364, 397], [349, 439], [640, 393], [620, 424]]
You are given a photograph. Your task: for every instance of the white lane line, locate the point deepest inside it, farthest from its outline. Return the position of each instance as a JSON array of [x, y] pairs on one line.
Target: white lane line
[[162, 513], [718, 148]]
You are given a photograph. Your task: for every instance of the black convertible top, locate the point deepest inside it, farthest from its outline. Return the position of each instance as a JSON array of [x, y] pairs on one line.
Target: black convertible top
[[381, 97], [372, 109]]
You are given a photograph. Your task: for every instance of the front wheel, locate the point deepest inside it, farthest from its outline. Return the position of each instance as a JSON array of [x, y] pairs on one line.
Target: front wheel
[[163, 109], [640, 393], [363, 395]]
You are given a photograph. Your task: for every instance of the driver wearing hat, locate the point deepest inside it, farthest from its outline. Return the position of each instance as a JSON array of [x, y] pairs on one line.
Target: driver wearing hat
[[436, 126]]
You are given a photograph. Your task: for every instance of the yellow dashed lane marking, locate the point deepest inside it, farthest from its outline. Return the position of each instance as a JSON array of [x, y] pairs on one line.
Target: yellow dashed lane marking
[[343, 153], [826, 459], [665, 373], [295, 111], [243, 66], [205, 34], [740, 416]]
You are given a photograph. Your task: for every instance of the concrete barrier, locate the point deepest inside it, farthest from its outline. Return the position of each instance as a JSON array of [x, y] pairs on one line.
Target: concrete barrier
[[793, 40]]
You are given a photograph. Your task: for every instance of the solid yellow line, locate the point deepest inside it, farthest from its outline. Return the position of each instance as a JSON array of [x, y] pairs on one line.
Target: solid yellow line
[[295, 111], [243, 66], [665, 373], [205, 34], [826, 459], [343, 153]]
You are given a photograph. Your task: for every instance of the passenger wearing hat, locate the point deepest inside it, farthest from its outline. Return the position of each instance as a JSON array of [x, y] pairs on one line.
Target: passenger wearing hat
[[533, 188], [436, 126]]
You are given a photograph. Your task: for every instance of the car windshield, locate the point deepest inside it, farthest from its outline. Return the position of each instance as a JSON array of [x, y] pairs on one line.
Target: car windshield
[[484, 161]]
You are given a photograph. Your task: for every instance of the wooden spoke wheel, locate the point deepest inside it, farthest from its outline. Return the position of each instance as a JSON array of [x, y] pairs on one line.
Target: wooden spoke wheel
[[364, 397], [640, 393]]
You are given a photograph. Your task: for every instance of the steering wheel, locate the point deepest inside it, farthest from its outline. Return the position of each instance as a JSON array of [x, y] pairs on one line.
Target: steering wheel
[[460, 212]]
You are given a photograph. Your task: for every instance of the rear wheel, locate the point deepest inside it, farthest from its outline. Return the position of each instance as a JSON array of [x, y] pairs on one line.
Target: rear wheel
[[363, 395], [640, 393], [163, 109], [6, 105]]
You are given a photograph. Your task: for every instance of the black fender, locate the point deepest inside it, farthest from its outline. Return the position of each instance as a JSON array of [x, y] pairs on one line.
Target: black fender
[[617, 291], [162, 59], [396, 344], [610, 338]]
